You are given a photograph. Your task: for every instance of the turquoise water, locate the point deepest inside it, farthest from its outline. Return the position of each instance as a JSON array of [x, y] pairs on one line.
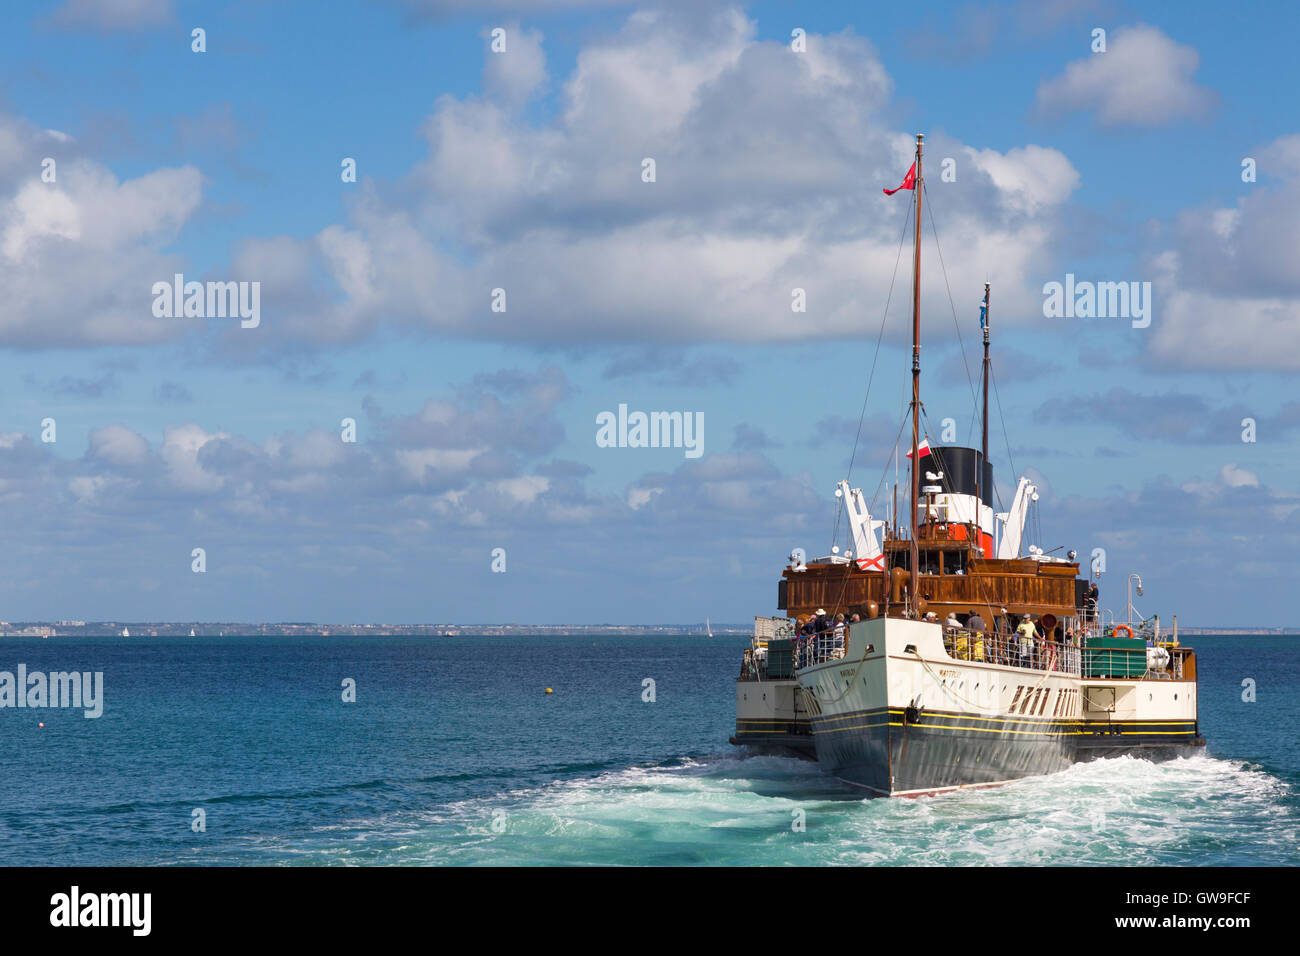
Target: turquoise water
[[453, 754]]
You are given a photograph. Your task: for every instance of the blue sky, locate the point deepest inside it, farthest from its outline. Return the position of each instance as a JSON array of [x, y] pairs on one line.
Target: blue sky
[[522, 170]]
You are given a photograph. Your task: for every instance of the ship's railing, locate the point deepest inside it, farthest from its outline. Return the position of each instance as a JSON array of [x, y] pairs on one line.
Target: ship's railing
[[1089, 621], [1168, 668], [1093, 625], [985, 647], [819, 648], [1012, 650], [754, 664], [1176, 659], [749, 667]]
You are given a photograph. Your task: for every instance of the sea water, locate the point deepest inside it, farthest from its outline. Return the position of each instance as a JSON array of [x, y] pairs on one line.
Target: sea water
[[243, 751]]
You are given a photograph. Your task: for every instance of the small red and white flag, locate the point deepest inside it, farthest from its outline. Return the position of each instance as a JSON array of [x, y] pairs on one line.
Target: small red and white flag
[[878, 562], [909, 181], [922, 449]]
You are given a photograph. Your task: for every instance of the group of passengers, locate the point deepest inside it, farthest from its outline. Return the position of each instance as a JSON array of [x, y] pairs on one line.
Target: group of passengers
[[821, 636], [1022, 643], [1016, 640]]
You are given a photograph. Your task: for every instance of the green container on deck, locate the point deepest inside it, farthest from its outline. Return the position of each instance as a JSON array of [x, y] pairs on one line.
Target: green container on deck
[[1114, 657], [780, 659]]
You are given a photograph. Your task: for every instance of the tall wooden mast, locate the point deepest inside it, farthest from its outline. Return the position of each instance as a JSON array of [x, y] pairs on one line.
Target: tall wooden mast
[[914, 587], [984, 445]]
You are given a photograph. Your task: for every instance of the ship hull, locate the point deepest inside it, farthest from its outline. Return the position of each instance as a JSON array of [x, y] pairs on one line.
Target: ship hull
[[898, 717], [886, 753], [777, 745], [1136, 743], [770, 720]]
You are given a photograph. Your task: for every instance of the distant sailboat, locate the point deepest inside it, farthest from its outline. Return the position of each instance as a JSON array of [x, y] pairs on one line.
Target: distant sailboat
[[191, 632], [708, 627], [126, 632]]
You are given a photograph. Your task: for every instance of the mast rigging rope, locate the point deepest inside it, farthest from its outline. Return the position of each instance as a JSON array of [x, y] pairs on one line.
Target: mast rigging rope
[[952, 305], [871, 378]]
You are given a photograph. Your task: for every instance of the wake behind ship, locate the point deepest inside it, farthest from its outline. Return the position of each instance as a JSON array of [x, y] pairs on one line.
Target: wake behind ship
[[939, 654]]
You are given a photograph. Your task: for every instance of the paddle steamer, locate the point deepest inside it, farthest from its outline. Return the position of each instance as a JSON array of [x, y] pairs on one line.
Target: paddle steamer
[[937, 684]]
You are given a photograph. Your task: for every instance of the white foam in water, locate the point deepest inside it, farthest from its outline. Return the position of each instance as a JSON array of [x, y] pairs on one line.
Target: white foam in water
[[731, 811], [1118, 811]]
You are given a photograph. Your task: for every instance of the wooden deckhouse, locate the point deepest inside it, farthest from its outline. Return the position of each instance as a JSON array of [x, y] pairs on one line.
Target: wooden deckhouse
[[1018, 585]]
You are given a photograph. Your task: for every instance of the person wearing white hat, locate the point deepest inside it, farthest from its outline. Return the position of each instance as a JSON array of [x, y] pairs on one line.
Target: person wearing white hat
[[821, 625]]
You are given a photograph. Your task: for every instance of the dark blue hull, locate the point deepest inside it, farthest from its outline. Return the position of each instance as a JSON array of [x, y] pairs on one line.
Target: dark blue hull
[[912, 753], [785, 738]]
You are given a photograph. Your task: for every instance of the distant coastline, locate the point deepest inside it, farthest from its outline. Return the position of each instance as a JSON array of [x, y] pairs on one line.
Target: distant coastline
[[311, 629]]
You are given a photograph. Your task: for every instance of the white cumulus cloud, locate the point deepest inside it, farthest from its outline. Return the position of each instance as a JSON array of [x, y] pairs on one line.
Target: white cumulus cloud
[[769, 168], [1143, 79]]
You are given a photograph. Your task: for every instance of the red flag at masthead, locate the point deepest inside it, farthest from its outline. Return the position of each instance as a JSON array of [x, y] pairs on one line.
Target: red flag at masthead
[[909, 181]]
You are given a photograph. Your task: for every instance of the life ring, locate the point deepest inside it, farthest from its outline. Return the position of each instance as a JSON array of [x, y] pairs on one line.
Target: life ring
[[1122, 627]]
